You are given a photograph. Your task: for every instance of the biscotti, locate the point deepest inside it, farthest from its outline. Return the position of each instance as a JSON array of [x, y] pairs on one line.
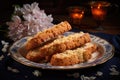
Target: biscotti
[[71, 57], [47, 35], [59, 45]]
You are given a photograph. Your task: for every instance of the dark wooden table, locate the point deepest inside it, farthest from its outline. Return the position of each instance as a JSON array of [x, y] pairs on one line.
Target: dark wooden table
[[111, 24]]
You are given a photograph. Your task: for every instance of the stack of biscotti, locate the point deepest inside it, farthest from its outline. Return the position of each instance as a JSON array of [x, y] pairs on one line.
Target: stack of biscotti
[[67, 50], [71, 57], [47, 35]]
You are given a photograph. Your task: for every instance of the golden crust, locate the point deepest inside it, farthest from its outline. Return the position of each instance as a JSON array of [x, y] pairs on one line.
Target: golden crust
[[64, 61], [71, 57], [59, 45], [48, 34]]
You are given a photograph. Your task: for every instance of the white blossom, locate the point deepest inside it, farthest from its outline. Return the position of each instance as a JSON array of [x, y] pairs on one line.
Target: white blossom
[[13, 69], [75, 75], [99, 73], [5, 46], [4, 50], [3, 42], [113, 66], [37, 73], [1, 57], [87, 78], [114, 71], [8, 54], [27, 21]]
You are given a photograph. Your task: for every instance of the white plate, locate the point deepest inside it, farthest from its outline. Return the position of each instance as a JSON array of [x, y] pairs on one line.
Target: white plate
[[104, 53]]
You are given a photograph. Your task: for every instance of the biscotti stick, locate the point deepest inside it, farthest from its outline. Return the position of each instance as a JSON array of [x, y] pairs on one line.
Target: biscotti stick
[[47, 35], [71, 57], [59, 45]]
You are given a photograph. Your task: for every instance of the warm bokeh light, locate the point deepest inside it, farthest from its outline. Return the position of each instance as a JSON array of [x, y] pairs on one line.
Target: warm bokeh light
[[76, 14], [99, 10]]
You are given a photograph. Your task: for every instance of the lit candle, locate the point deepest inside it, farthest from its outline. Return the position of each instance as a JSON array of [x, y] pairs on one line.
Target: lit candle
[[76, 14], [99, 10]]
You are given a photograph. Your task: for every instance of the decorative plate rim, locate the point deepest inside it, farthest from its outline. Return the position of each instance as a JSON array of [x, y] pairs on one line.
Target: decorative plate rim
[[105, 44]]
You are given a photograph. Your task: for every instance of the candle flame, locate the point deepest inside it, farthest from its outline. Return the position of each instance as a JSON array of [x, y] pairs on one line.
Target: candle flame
[[99, 6]]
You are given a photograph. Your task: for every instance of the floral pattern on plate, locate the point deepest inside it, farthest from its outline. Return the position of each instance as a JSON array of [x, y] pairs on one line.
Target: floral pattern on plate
[[104, 53]]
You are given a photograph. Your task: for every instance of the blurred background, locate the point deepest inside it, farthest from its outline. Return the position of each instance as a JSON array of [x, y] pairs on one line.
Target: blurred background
[[57, 7]]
